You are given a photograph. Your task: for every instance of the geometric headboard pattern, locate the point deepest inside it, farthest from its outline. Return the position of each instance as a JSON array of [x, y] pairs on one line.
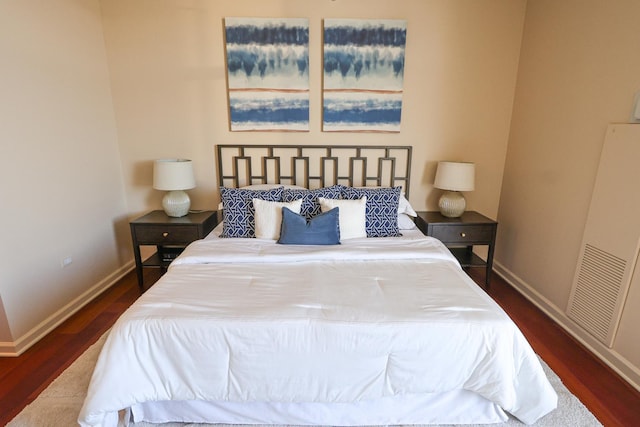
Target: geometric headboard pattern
[[314, 166]]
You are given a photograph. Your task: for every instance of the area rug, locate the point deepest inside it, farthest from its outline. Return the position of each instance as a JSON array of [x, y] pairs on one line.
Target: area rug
[[59, 404]]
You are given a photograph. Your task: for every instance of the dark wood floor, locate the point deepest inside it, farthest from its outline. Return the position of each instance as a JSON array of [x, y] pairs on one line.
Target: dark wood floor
[[611, 400]]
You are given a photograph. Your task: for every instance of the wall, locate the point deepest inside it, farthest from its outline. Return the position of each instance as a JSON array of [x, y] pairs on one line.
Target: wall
[[62, 192], [579, 71], [168, 79]]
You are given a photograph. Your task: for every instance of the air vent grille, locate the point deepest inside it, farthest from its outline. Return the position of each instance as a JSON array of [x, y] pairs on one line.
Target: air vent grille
[[597, 289]]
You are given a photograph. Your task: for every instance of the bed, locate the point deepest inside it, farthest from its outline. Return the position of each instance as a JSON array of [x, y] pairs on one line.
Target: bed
[[383, 330]]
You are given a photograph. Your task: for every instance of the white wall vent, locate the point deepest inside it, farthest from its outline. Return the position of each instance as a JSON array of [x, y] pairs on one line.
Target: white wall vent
[[597, 290], [611, 237]]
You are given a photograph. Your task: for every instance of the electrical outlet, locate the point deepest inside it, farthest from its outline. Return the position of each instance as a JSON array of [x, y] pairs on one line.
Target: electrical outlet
[[66, 262]]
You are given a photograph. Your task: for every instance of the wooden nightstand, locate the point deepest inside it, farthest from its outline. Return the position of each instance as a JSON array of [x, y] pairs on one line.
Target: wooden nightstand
[[169, 235], [461, 234]]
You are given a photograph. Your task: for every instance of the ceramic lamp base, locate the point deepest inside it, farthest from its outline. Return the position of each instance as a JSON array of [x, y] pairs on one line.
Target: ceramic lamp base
[[452, 204], [176, 203]]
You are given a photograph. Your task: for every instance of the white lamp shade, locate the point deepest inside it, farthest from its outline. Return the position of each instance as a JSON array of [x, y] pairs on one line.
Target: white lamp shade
[[455, 176], [173, 174]]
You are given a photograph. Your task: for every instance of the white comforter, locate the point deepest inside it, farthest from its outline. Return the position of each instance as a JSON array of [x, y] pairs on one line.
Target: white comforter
[[248, 320]]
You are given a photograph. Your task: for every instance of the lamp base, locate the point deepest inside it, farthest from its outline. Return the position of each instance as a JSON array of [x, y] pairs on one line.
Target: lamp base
[[452, 204], [176, 203]]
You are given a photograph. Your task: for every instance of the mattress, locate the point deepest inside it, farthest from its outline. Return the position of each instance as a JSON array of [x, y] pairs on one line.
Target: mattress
[[248, 323]]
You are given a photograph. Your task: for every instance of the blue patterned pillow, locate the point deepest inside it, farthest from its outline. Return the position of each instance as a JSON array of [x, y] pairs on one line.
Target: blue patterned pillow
[[323, 229], [310, 205], [239, 213], [382, 209]]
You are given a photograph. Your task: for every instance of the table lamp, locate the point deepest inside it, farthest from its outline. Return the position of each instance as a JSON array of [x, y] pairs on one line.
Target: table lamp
[[454, 177], [174, 176]]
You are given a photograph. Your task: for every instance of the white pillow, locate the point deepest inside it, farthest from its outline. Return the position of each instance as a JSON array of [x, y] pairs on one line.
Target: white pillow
[[405, 222], [404, 207], [268, 216], [352, 215]]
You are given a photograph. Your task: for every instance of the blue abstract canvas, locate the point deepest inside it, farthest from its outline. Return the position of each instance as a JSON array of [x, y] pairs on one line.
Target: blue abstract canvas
[[363, 75], [268, 73]]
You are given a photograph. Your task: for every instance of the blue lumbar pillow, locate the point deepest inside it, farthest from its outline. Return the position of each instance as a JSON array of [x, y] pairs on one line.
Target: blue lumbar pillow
[[323, 229]]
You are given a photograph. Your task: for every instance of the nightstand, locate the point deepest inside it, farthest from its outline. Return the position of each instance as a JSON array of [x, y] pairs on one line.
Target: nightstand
[[461, 234], [169, 235]]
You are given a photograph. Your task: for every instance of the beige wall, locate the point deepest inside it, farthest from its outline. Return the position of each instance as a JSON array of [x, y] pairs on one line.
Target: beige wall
[[62, 192], [168, 80], [579, 71]]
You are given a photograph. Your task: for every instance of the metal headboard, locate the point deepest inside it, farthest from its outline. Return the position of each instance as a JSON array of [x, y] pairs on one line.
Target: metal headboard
[[314, 166]]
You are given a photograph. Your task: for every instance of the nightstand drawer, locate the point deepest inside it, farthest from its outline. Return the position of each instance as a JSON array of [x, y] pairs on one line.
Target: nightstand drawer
[[161, 235], [463, 233]]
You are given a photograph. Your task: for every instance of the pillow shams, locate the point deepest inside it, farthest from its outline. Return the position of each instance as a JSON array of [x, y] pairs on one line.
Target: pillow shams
[[239, 213], [310, 206], [323, 229], [352, 216], [269, 217], [382, 209]]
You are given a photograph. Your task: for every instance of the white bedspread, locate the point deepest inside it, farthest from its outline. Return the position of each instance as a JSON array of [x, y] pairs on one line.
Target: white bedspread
[[247, 320]]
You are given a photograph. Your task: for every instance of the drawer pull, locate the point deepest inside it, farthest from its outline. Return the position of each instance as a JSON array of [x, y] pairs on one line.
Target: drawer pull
[[165, 234], [463, 235]]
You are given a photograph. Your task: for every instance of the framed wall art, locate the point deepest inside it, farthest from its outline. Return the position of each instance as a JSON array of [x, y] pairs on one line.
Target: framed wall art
[[268, 73], [363, 75]]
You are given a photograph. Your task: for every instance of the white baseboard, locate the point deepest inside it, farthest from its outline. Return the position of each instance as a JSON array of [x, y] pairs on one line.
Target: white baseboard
[[610, 357], [19, 346]]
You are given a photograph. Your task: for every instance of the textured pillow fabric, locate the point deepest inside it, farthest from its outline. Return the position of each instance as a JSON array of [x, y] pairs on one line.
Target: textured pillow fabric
[[269, 216], [352, 216], [310, 205], [239, 214], [382, 209], [323, 229]]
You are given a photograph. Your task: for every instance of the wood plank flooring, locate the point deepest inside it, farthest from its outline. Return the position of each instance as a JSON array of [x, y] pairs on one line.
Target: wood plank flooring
[[611, 400]]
